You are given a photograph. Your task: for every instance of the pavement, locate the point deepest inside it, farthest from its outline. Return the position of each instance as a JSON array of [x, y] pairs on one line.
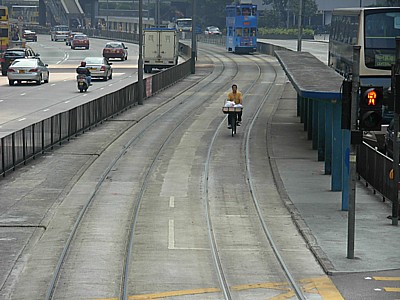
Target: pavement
[[317, 210]]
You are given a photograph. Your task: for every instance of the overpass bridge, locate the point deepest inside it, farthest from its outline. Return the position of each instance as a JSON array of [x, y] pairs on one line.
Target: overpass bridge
[[68, 12]]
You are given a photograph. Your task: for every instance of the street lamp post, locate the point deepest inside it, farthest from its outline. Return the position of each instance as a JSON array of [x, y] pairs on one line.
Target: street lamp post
[[193, 57], [140, 60], [300, 27], [107, 17]]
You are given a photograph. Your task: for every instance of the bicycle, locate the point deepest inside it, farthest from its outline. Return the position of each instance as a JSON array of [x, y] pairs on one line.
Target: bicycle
[[232, 116]]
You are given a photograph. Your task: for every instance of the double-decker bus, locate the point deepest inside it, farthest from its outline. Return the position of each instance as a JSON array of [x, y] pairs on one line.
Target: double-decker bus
[[374, 29], [241, 27], [4, 28], [184, 25]]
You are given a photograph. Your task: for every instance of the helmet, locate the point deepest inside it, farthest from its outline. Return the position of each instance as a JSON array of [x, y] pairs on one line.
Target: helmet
[[83, 63]]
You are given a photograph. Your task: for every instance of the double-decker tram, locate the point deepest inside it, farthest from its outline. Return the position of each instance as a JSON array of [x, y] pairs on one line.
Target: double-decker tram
[[374, 29], [4, 29], [241, 27]]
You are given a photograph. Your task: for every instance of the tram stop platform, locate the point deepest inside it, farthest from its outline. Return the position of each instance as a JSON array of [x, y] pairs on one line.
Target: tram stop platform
[[315, 203], [317, 209]]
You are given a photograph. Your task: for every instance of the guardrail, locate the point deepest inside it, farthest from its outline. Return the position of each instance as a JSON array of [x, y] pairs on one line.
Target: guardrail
[[374, 167]]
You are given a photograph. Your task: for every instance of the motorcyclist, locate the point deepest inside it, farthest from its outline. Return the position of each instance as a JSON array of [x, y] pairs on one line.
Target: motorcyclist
[[82, 69]]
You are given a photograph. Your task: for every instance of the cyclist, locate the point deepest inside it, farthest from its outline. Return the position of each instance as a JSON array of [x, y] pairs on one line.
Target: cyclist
[[236, 97], [82, 69]]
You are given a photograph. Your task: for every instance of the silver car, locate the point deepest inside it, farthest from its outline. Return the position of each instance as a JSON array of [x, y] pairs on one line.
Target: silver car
[[28, 69], [99, 67]]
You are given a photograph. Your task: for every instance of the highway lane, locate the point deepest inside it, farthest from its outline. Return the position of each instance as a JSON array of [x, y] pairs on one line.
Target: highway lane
[[19, 102]]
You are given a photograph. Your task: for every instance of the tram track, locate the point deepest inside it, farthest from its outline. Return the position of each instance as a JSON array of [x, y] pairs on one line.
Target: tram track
[[224, 283], [146, 145], [125, 277]]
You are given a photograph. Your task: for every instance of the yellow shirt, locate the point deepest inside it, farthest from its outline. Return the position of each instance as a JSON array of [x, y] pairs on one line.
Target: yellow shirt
[[237, 97]]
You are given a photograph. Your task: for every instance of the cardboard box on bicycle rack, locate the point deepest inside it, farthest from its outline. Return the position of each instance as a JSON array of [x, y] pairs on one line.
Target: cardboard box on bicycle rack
[[227, 110]]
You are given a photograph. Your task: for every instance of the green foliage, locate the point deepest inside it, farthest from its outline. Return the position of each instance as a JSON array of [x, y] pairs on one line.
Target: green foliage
[[283, 31], [283, 11], [391, 3]]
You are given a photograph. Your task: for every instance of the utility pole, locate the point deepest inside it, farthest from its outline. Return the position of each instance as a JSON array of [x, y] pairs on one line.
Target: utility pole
[[300, 27], [353, 154], [107, 17], [140, 60], [158, 14], [193, 57]]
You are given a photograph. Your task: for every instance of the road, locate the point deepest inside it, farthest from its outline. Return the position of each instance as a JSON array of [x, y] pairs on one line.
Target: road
[[18, 103]]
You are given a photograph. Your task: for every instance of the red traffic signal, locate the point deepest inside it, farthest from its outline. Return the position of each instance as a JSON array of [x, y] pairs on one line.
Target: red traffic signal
[[370, 114], [371, 97]]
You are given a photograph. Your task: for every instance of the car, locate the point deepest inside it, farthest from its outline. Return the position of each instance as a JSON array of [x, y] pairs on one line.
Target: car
[[80, 41], [28, 69], [70, 37], [29, 35], [59, 32], [99, 67], [212, 30], [115, 50], [12, 54]]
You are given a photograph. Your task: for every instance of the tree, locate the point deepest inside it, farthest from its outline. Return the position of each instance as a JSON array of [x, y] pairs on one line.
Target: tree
[[390, 3], [286, 10]]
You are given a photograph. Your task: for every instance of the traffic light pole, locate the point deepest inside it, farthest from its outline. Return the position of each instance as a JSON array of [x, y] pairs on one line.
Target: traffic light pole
[[351, 216], [396, 95]]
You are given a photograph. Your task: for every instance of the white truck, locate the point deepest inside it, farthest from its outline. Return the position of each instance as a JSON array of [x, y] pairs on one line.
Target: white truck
[[160, 48]]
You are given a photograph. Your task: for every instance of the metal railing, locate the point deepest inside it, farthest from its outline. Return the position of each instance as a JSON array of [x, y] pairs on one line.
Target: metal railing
[[374, 167]]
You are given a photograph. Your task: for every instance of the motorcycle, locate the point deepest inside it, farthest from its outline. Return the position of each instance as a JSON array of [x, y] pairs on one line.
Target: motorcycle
[[82, 82]]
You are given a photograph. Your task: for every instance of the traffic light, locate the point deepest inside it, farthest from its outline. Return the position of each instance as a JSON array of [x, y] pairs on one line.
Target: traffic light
[[370, 108]]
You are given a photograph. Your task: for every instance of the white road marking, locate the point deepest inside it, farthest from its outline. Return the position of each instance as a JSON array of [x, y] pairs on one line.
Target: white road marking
[[46, 109], [172, 201], [22, 119], [171, 235]]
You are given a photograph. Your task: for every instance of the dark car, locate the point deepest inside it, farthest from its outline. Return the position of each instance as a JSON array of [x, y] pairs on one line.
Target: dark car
[[12, 54], [115, 50]]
